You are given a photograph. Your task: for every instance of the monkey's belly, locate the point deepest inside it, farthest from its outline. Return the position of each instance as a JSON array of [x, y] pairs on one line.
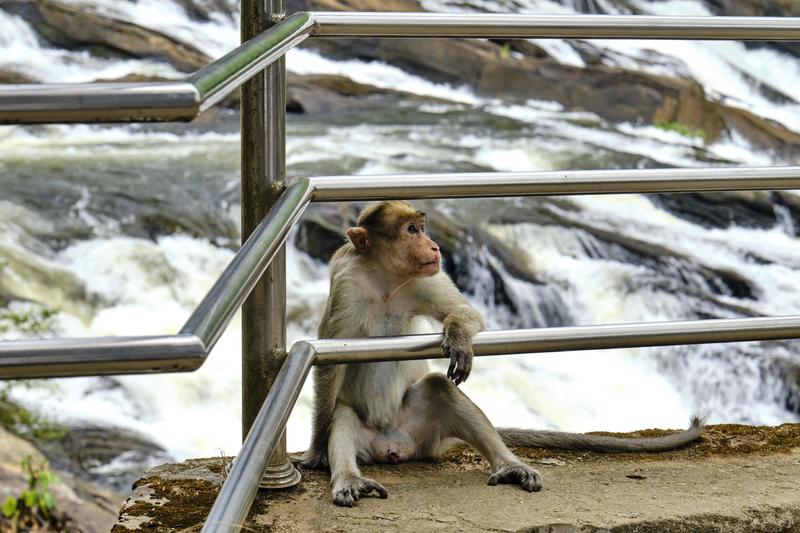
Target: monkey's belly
[[392, 447]]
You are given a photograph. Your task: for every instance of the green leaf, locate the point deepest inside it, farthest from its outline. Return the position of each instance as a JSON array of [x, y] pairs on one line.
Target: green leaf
[[9, 507], [47, 502], [29, 497]]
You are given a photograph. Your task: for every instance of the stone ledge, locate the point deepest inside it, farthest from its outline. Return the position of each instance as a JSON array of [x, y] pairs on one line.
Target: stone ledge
[[737, 479]]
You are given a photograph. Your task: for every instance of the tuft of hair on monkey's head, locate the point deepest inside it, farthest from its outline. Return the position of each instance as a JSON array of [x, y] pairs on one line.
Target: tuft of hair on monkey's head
[[385, 218]]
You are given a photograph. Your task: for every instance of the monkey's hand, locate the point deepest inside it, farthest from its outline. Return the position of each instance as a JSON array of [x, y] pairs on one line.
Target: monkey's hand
[[460, 356], [311, 460]]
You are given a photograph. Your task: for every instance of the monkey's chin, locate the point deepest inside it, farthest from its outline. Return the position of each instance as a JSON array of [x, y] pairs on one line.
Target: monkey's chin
[[430, 269]]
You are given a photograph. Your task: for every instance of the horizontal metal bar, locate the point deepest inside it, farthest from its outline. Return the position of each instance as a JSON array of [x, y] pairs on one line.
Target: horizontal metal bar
[[512, 26], [100, 355], [239, 490], [506, 342], [561, 182], [214, 313], [98, 102]]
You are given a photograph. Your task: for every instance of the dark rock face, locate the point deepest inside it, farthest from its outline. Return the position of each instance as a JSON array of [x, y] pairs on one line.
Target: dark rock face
[[68, 27], [84, 448], [7, 76], [205, 9], [761, 210]]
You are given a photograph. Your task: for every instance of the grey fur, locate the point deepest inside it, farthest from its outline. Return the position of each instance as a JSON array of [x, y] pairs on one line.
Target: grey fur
[[598, 443]]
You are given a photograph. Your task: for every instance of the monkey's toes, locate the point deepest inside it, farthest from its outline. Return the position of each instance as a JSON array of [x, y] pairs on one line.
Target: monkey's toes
[[354, 488], [345, 497], [522, 474], [310, 462]]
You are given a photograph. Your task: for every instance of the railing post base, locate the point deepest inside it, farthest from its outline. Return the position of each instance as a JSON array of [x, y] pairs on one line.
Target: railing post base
[[281, 476]]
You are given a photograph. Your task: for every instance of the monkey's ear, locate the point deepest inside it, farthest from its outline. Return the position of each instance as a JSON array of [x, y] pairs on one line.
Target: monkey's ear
[[360, 238]]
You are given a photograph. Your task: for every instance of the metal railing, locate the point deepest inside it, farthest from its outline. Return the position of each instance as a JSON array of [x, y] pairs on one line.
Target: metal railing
[[183, 100]]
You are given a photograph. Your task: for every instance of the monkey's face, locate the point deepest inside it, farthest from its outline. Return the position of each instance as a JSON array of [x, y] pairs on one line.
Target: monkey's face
[[417, 255]]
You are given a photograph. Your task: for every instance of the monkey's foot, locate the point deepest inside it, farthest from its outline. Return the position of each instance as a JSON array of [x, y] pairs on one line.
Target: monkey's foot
[[311, 461], [520, 473], [350, 487]]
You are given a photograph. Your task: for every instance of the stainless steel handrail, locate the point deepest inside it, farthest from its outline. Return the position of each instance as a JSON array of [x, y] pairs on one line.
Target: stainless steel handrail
[[552, 183], [184, 100], [518, 26]]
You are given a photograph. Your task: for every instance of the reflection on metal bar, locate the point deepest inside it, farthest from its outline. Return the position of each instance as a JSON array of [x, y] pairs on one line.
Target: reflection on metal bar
[[100, 355], [239, 490], [225, 75], [505, 342], [234, 285], [562, 182], [512, 26]]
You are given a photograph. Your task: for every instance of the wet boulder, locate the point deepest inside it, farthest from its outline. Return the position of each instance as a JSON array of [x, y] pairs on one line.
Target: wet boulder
[[65, 26]]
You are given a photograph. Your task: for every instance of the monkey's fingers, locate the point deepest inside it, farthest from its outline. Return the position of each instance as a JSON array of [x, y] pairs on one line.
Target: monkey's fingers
[[450, 353], [464, 367], [372, 485]]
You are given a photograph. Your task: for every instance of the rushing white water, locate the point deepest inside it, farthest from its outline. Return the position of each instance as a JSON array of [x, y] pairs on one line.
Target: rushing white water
[[109, 281]]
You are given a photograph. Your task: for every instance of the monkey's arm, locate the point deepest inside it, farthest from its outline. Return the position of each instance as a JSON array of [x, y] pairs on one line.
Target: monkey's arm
[[441, 299]]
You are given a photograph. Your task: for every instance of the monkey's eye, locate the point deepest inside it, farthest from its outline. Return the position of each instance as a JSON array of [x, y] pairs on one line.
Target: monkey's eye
[[413, 228]]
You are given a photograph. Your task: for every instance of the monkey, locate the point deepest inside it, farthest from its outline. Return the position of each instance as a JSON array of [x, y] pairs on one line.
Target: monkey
[[387, 273]]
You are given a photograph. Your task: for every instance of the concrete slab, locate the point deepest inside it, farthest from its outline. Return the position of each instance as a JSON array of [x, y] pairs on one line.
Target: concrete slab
[[738, 479]]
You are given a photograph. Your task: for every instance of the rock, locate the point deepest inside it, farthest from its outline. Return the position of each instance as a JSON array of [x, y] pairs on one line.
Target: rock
[[206, 9], [329, 93], [321, 230], [111, 455], [69, 27], [9, 76], [82, 506], [696, 489], [721, 209]]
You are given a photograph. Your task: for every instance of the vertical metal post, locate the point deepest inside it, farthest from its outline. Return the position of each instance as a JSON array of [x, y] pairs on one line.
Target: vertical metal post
[[263, 127]]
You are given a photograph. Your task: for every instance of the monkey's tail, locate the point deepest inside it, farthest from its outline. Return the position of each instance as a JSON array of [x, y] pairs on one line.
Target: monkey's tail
[[597, 443]]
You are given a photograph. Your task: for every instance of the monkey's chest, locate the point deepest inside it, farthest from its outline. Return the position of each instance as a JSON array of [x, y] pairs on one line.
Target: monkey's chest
[[375, 391], [382, 320]]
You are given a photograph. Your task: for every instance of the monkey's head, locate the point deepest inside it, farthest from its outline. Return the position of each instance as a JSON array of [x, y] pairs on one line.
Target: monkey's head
[[392, 233]]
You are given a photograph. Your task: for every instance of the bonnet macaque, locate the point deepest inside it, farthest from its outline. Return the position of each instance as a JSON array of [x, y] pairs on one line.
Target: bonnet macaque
[[389, 412]]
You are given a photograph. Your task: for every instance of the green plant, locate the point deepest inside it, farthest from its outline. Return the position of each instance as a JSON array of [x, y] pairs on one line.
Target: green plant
[[505, 50], [34, 506], [23, 422], [35, 320], [682, 129]]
